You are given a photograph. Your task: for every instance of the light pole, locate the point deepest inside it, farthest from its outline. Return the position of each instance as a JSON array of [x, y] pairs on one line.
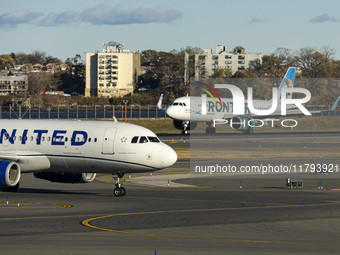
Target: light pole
[[125, 102]]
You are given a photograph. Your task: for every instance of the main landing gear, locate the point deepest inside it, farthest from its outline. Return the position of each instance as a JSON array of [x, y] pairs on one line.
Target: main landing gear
[[210, 129], [119, 190]]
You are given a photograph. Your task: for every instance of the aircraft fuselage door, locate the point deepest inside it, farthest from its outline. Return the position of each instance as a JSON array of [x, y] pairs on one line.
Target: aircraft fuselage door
[[108, 140]]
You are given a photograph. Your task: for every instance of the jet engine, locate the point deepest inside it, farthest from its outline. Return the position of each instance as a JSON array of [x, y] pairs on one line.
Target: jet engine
[[66, 177], [184, 125], [9, 175], [242, 123]]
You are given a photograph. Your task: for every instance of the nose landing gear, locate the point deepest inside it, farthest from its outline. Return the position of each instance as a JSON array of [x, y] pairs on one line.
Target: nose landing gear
[[119, 190]]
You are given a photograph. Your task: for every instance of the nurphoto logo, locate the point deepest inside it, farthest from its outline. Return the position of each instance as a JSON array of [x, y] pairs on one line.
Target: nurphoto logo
[[239, 106]]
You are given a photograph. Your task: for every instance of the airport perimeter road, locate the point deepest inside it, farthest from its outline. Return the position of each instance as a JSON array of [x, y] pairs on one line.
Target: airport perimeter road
[[209, 217]]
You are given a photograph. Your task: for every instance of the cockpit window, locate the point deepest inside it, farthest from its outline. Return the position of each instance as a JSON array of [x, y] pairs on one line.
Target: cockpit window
[[134, 139], [143, 139], [153, 139], [178, 103]]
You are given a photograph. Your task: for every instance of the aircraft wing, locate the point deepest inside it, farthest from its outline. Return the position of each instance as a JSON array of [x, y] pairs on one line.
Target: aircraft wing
[[29, 161], [294, 111], [11, 156]]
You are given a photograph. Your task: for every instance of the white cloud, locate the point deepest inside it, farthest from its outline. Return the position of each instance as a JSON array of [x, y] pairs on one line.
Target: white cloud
[[12, 19], [323, 18], [99, 14], [102, 14], [59, 19], [257, 20]]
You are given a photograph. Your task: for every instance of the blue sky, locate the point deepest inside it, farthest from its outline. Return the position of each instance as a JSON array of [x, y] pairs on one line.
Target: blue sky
[[66, 28]]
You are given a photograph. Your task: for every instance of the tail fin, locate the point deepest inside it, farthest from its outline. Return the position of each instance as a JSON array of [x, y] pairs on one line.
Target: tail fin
[[288, 80], [159, 104], [335, 104]]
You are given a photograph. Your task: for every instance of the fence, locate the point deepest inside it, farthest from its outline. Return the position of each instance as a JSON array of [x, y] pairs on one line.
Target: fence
[[107, 112], [80, 112]]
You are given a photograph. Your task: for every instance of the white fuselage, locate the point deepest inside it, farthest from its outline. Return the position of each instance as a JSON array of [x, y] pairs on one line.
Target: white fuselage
[[190, 109], [82, 146]]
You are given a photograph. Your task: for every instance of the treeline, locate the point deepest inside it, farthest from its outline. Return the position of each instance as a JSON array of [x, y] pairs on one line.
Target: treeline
[[70, 80], [165, 74]]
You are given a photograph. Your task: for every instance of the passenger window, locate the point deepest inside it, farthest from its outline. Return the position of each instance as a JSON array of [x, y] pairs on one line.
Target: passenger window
[[95, 140], [89, 140], [143, 139], [66, 139], [153, 139], [134, 139], [184, 104]]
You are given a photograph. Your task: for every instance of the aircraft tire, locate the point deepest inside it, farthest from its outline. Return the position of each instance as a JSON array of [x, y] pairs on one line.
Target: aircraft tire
[[123, 191], [117, 192]]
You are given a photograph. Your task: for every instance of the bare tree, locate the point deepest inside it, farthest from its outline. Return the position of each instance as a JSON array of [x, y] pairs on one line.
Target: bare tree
[[313, 62], [38, 82]]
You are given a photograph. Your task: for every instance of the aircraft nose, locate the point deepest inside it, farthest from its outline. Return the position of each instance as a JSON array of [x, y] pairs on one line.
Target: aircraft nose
[[168, 156], [170, 112]]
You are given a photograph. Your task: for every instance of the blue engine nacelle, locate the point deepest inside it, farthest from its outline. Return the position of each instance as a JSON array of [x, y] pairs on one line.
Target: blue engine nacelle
[[9, 174], [66, 177]]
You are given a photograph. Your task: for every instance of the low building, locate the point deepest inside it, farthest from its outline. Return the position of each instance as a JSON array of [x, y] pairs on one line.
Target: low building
[[13, 84], [30, 68]]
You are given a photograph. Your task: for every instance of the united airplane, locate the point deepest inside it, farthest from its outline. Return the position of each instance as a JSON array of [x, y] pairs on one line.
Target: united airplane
[[75, 151]]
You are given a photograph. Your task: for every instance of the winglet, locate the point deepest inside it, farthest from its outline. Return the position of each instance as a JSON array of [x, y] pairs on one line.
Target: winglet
[[159, 104], [335, 104]]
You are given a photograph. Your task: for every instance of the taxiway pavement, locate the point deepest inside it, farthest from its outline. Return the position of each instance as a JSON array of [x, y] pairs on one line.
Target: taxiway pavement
[[203, 215]]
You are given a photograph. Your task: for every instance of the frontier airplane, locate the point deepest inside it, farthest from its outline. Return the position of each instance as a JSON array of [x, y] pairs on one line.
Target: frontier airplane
[[187, 111]]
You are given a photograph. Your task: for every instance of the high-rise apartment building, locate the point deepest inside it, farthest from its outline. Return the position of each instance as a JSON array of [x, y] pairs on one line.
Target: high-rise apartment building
[[113, 72]]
